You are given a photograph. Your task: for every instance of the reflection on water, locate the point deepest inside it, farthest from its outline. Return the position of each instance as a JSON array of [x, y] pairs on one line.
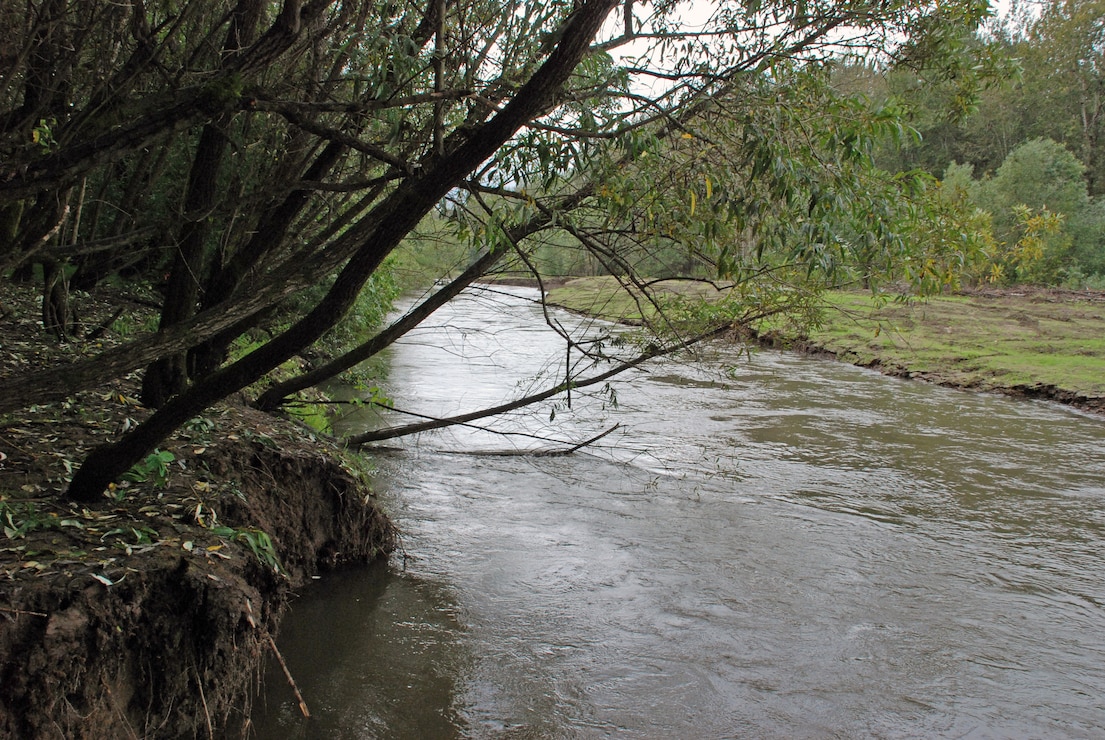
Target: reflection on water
[[774, 547], [376, 654]]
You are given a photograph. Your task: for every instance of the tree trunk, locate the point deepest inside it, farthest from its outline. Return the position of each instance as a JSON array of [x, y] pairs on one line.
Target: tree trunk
[[55, 299], [272, 230], [382, 231], [168, 375], [35, 227]]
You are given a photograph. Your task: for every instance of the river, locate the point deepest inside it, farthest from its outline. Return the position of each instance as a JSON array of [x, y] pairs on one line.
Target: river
[[767, 546]]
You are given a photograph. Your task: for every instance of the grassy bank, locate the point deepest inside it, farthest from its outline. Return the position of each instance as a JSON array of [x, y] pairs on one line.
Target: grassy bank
[[604, 297], [1012, 340], [1018, 341]]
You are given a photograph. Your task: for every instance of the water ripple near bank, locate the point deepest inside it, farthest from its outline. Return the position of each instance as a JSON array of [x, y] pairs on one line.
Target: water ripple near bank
[[774, 546]]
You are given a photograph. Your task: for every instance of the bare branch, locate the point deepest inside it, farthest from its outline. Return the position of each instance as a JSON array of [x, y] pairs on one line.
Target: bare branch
[[380, 435]]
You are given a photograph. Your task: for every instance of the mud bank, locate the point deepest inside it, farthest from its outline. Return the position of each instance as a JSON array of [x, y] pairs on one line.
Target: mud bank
[[150, 616], [1041, 391]]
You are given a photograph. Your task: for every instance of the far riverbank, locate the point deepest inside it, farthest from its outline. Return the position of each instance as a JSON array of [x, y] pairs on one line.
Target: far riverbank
[[1023, 342]]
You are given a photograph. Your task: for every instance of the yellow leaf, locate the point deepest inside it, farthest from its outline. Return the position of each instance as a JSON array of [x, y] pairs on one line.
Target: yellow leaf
[[688, 135], [694, 202], [709, 188]]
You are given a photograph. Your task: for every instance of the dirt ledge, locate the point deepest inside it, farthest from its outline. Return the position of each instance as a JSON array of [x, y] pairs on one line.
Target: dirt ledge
[[149, 613], [144, 617], [1040, 391]]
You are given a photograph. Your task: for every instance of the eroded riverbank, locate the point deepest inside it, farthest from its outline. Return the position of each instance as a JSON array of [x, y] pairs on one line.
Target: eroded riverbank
[[149, 613], [150, 616], [1023, 342]]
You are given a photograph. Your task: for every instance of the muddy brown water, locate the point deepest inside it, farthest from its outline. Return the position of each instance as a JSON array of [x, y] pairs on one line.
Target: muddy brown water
[[773, 546]]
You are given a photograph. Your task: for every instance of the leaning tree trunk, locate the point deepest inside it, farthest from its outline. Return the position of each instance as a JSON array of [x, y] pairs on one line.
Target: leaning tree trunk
[[169, 375], [272, 398], [384, 228], [271, 232]]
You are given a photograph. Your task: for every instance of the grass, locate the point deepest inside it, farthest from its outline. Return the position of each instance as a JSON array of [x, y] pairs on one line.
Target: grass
[[1012, 340], [994, 341], [603, 297]]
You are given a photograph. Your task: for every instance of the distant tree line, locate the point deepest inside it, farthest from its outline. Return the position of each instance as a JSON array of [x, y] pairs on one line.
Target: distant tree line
[[1027, 147]]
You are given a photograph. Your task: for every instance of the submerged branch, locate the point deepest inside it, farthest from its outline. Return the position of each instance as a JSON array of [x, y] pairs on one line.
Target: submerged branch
[[532, 453], [654, 352]]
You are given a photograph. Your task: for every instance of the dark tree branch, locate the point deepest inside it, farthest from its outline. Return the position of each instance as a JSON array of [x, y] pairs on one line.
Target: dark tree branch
[[369, 106], [274, 396], [392, 220], [335, 135], [380, 435]]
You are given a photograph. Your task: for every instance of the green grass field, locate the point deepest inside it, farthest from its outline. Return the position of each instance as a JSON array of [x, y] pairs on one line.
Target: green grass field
[[604, 298], [1011, 340], [1001, 340]]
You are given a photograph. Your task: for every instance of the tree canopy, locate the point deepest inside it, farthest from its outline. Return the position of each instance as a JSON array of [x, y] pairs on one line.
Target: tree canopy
[[1042, 103], [236, 156]]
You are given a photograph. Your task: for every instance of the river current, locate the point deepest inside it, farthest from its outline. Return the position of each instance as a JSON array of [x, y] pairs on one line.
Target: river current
[[768, 545]]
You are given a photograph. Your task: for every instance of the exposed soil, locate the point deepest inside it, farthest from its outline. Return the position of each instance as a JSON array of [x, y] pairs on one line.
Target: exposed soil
[[149, 615], [952, 345], [1036, 294], [1023, 341]]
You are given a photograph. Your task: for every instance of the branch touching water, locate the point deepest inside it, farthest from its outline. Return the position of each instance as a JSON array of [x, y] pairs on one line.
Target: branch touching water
[[653, 352]]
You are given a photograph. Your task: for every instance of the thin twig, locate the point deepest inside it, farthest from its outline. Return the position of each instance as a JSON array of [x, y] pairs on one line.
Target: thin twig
[[581, 445], [203, 700], [117, 709], [22, 611], [653, 352], [527, 453], [288, 675], [103, 326]]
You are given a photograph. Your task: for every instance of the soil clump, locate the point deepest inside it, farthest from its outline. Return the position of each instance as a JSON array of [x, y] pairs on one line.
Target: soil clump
[[149, 614]]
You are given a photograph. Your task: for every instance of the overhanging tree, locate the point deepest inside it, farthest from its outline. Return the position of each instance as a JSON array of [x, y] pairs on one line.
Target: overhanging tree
[[250, 166]]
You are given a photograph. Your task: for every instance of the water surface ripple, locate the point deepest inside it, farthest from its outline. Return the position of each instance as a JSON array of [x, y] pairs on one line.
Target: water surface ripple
[[773, 546]]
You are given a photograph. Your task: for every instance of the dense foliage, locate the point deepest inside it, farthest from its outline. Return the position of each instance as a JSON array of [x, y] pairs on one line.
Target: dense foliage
[[1027, 147], [235, 156]]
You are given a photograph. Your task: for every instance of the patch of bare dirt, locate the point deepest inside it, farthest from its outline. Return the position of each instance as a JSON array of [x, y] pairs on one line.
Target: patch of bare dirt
[[1037, 294], [149, 614]]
